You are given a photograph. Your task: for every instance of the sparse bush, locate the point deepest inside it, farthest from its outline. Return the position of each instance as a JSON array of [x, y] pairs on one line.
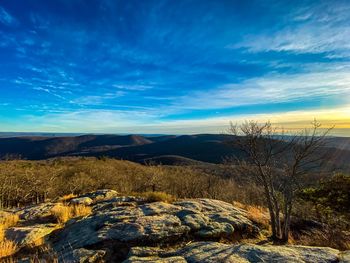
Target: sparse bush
[[158, 197], [327, 237], [31, 182]]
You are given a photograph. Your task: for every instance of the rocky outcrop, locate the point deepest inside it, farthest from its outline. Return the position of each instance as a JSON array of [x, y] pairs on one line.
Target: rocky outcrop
[[131, 229], [130, 221]]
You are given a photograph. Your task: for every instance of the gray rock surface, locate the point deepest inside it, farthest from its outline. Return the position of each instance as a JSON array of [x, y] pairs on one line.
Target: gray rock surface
[[345, 257], [155, 260], [84, 255], [36, 211], [205, 252], [153, 223], [81, 201], [129, 228], [30, 235], [100, 194]]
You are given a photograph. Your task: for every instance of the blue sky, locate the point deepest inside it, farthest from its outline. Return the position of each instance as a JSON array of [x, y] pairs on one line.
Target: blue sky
[[172, 66]]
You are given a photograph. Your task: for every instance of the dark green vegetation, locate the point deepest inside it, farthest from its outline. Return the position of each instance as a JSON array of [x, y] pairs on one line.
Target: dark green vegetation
[[330, 201], [330, 195]]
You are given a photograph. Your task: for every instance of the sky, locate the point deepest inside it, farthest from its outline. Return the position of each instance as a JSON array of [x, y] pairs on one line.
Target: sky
[[172, 67]]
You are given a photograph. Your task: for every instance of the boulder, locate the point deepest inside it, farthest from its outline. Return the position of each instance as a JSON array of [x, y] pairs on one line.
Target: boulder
[[81, 201], [101, 194]]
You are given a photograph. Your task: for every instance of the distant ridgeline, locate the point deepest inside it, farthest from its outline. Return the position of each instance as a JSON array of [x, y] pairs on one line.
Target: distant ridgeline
[[165, 149]]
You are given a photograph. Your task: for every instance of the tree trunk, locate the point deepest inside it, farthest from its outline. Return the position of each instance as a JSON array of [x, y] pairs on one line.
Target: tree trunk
[[287, 217], [274, 222]]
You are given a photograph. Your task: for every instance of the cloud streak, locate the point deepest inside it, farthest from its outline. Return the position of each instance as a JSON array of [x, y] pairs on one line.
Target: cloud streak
[[6, 18], [272, 89]]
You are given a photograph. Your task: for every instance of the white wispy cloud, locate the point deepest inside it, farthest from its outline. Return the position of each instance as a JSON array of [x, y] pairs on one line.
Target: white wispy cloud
[[98, 99], [87, 121], [49, 91], [307, 39], [132, 87], [7, 19], [318, 28], [271, 89]]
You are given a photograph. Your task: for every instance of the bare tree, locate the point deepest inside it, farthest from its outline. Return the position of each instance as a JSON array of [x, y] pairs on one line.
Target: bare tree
[[278, 162]]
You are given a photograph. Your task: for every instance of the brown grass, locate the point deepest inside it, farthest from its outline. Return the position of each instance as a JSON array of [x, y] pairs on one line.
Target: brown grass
[[63, 212], [334, 238], [84, 175], [257, 214], [158, 197], [67, 197], [239, 205], [7, 248], [8, 220], [81, 210], [2, 233]]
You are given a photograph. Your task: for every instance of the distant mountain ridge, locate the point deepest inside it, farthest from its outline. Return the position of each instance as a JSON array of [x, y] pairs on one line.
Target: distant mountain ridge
[[165, 149]]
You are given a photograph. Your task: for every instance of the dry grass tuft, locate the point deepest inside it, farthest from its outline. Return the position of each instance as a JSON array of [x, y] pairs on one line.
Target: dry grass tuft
[[257, 214], [61, 212], [81, 210], [64, 212], [66, 198], [2, 233], [239, 205], [158, 197], [8, 220], [7, 248]]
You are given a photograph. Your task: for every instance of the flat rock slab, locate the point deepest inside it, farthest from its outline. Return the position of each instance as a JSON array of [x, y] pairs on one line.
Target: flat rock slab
[[30, 235], [155, 260], [36, 211], [209, 252]]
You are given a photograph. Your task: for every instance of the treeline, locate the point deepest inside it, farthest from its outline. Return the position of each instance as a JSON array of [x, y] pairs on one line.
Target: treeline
[[31, 182]]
